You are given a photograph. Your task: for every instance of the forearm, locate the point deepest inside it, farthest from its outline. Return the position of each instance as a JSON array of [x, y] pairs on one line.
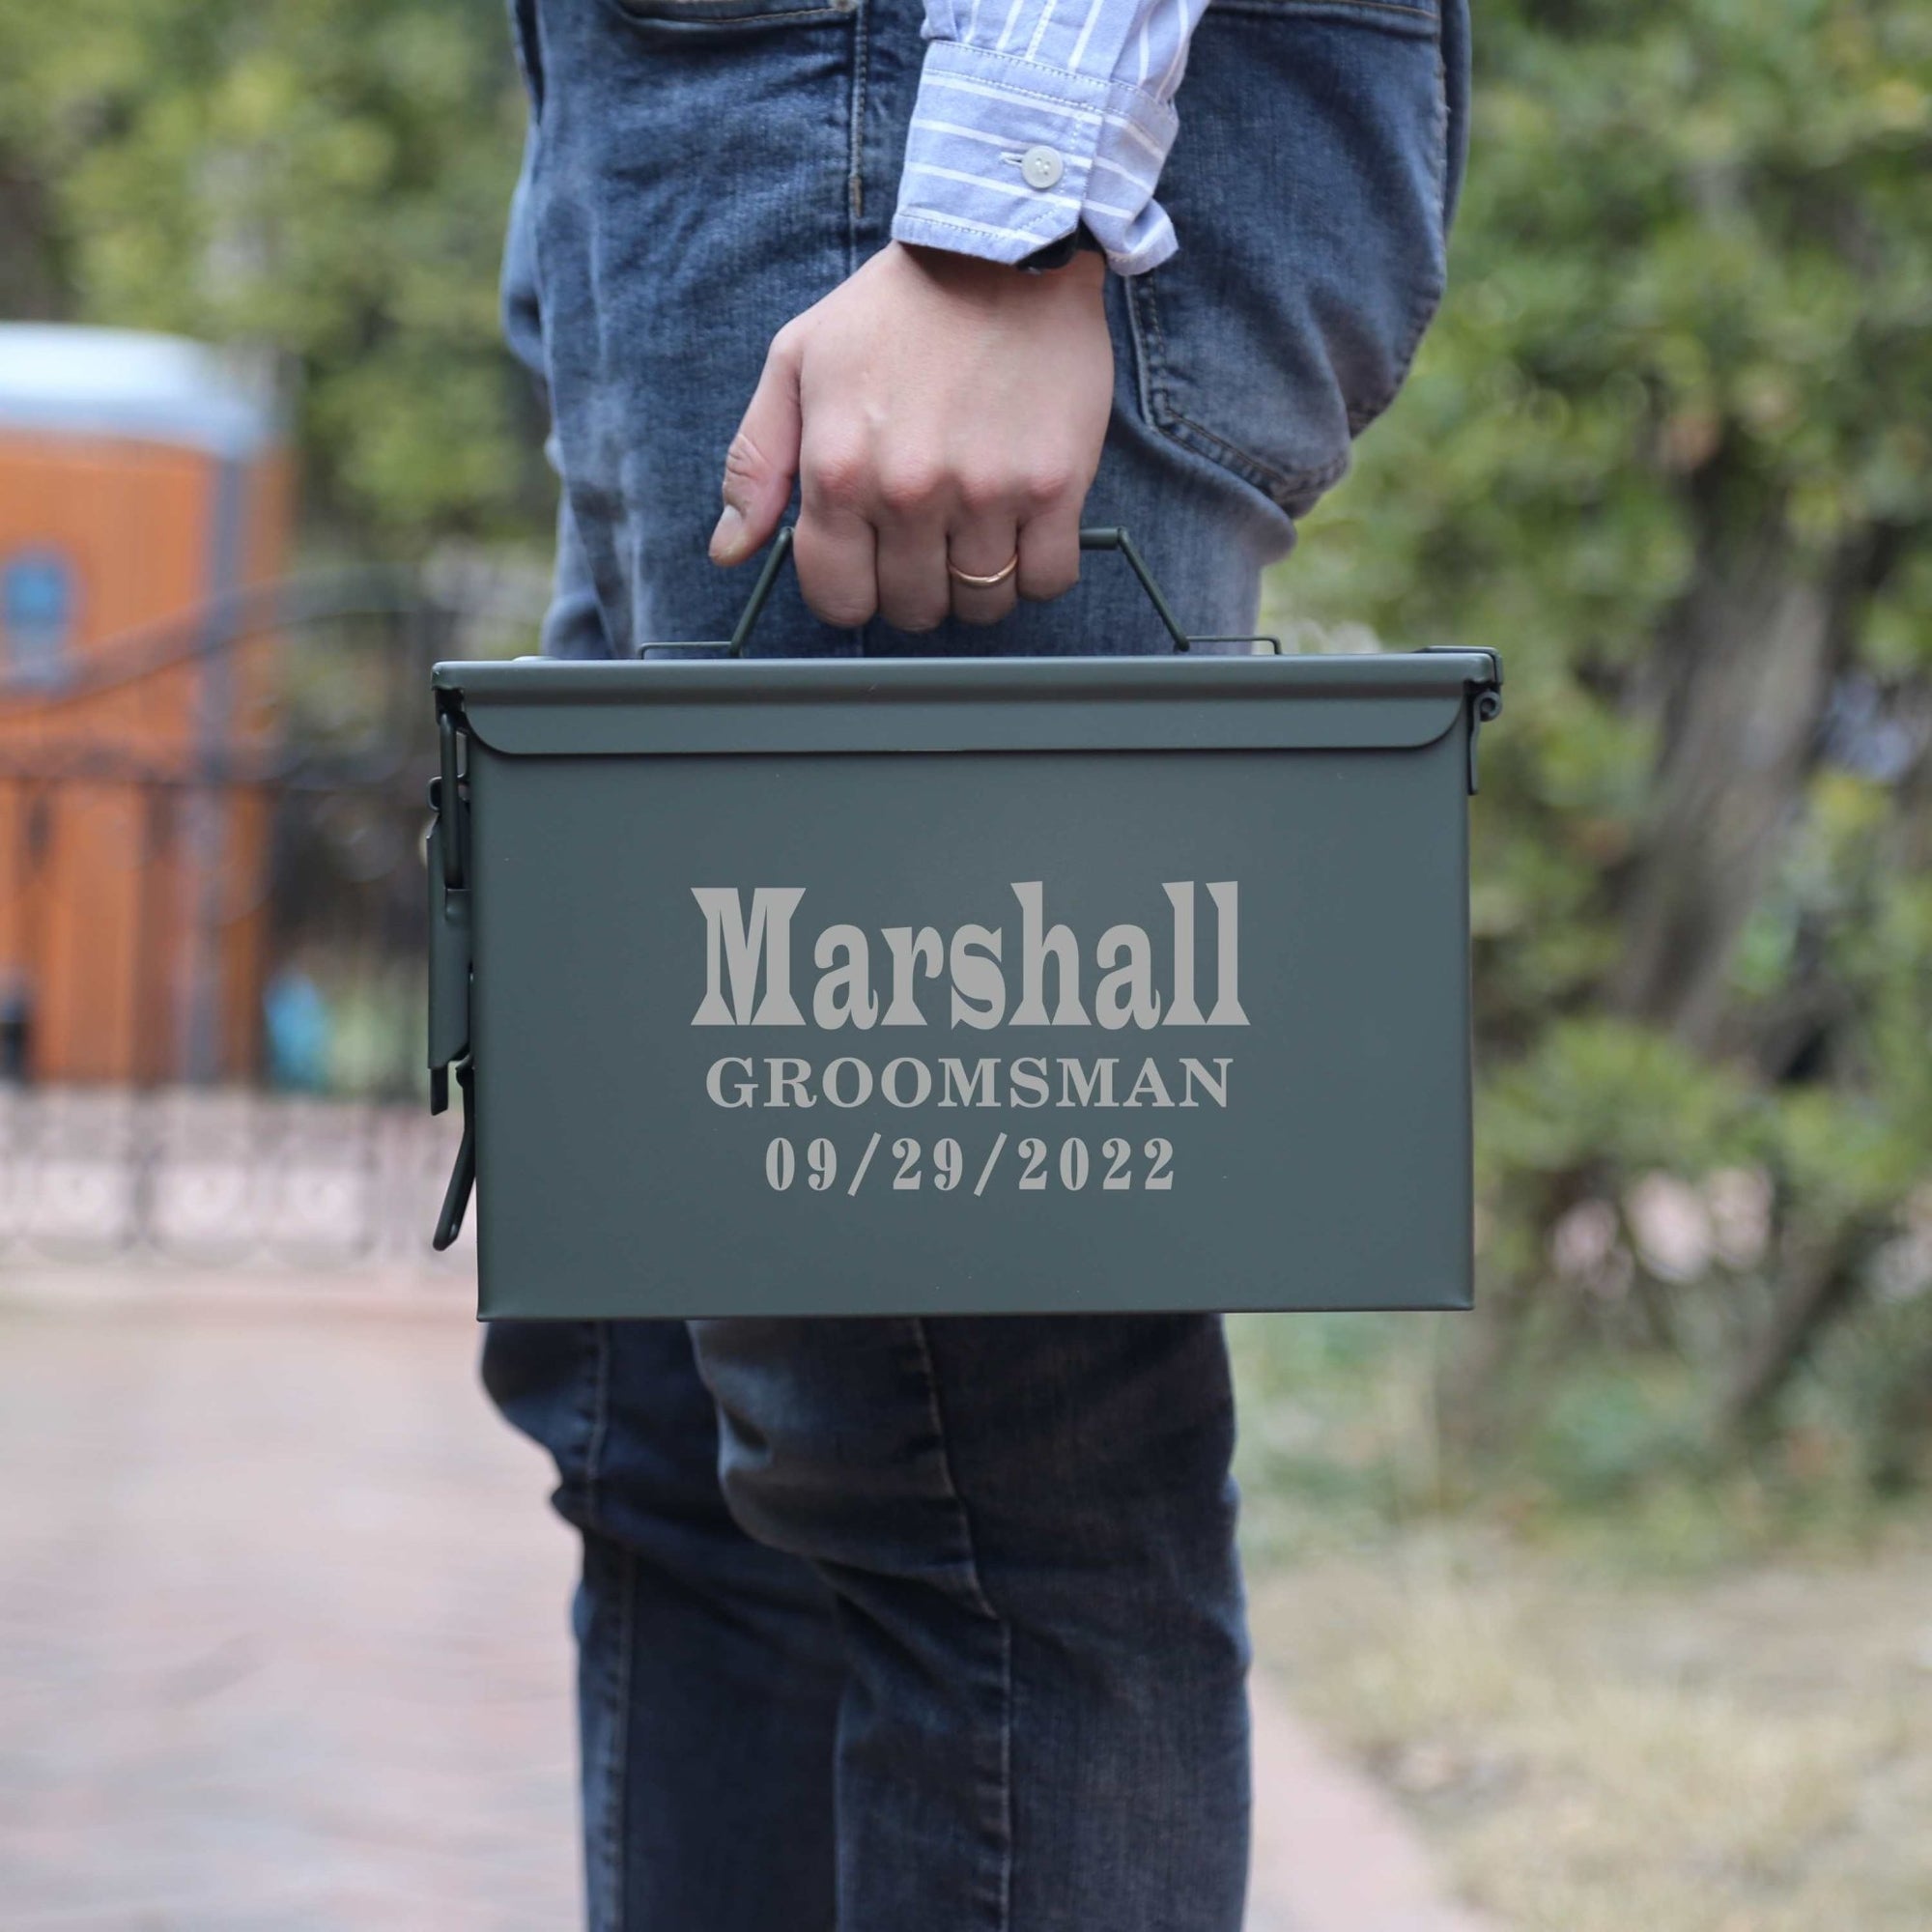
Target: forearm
[[942, 415]]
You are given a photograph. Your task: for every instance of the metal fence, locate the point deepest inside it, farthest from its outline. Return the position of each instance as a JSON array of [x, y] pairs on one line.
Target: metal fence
[[216, 1176], [212, 939]]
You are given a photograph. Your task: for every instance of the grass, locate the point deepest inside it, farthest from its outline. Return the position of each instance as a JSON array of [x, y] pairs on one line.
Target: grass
[[1341, 1445], [1617, 1690]]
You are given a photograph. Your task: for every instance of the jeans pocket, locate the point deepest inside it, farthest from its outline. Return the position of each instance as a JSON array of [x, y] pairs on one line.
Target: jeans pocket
[[707, 19], [1310, 188]]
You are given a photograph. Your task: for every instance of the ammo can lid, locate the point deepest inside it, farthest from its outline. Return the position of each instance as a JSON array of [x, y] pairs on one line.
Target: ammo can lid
[[550, 707]]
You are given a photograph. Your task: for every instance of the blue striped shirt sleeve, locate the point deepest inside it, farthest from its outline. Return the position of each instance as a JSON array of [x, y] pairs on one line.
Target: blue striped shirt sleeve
[[1034, 114]]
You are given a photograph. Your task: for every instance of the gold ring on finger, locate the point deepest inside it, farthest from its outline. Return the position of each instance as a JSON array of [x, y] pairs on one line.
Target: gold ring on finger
[[992, 582]]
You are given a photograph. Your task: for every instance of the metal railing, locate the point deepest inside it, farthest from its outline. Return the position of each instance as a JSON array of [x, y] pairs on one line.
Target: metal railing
[[211, 938]]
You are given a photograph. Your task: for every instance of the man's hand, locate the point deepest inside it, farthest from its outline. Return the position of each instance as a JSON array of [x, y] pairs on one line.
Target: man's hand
[[935, 407]]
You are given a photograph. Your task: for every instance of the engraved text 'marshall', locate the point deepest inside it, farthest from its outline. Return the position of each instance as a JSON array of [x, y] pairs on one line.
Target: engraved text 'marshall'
[[748, 978]]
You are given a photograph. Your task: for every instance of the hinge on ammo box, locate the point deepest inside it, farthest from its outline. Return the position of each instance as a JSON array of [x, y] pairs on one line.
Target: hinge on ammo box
[[1483, 696], [1485, 704]]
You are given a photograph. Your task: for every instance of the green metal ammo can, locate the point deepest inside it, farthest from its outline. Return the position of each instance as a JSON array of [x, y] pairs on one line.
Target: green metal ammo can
[[887, 987]]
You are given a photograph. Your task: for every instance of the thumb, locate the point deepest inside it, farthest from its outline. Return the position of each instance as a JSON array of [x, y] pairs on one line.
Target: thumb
[[762, 460]]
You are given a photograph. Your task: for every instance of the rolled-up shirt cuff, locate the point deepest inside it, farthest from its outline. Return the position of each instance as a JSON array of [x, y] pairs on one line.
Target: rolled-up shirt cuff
[[1006, 154]]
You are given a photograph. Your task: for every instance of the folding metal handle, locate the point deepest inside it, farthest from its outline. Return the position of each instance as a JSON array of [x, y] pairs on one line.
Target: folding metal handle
[[1103, 537], [1115, 538]]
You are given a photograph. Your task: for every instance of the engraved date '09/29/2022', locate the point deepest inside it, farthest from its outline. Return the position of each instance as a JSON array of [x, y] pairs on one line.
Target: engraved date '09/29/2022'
[[1030, 1165]]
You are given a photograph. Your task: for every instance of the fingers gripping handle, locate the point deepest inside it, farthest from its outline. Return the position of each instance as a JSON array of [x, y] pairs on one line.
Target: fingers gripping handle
[[1101, 538]]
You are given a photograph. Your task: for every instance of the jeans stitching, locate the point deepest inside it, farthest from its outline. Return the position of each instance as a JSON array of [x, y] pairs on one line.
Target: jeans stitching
[[1142, 358], [1424, 305], [599, 1423], [983, 1604], [856, 145], [616, 1768], [1284, 486], [1152, 340]]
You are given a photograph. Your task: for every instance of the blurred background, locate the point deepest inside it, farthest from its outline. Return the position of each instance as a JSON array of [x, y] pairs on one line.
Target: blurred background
[[1616, 1595]]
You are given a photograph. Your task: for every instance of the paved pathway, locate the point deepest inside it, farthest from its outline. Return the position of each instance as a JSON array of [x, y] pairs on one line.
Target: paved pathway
[[282, 1639]]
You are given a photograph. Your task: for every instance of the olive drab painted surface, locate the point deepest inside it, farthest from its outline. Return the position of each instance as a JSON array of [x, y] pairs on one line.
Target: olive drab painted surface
[[887, 987]]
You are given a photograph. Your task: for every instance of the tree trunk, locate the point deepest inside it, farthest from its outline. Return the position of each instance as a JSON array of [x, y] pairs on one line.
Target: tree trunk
[[1813, 1290], [32, 287], [1750, 656]]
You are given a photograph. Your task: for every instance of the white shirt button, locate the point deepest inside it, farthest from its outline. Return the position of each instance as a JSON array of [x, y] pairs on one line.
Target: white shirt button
[[1042, 167]]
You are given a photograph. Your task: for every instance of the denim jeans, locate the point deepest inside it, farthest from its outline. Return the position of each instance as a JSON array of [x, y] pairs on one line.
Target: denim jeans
[[917, 1625]]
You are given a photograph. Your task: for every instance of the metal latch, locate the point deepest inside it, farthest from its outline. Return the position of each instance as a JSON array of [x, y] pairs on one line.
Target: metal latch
[[449, 964]]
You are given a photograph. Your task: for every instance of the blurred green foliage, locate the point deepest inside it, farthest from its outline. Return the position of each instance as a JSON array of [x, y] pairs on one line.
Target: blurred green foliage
[[323, 178], [1669, 449]]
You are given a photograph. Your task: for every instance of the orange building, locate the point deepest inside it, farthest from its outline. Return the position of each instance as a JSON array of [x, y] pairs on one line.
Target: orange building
[[143, 490]]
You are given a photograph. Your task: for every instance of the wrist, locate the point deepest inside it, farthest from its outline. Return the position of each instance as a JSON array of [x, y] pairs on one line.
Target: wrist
[[974, 276], [1078, 240], [1087, 266]]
